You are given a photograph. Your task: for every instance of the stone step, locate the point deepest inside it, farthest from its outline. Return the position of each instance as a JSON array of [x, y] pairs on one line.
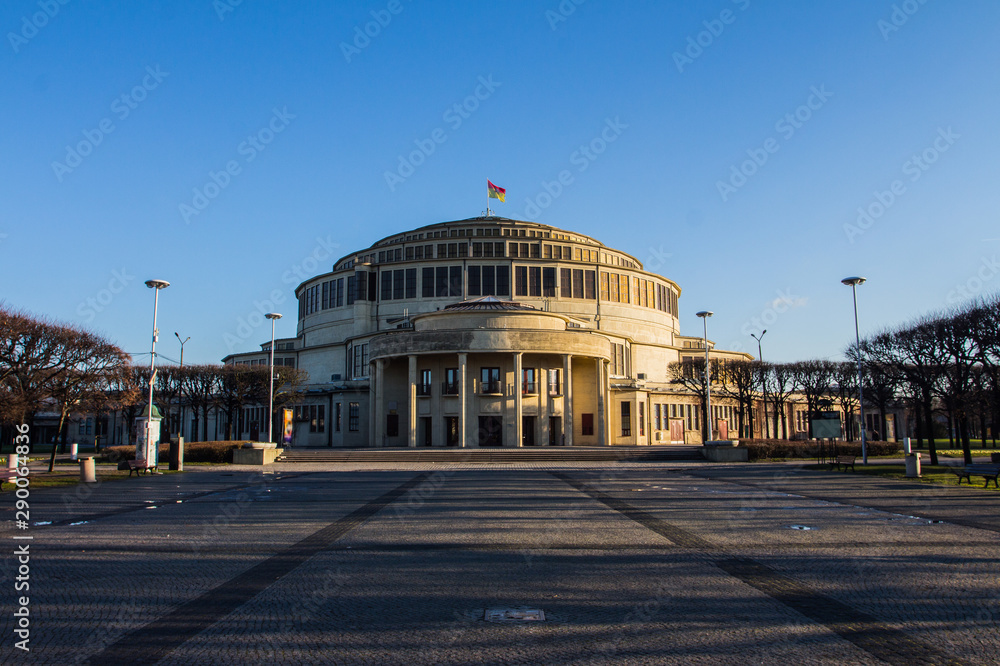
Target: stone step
[[498, 455]]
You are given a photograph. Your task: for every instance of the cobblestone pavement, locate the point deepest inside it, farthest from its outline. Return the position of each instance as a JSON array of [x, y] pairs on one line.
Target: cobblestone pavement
[[632, 563]]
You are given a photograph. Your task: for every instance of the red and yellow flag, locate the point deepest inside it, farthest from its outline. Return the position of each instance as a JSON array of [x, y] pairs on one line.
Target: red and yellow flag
[[495, 192]]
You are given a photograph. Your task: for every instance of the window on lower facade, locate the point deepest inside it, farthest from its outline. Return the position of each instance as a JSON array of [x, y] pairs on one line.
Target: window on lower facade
[[555, 387], [529, 384], [353, 416], [489, 380], [392, 425], [424, 387], [450, 386], [587, 424], [642, 419], [626, 419], [337, 417]]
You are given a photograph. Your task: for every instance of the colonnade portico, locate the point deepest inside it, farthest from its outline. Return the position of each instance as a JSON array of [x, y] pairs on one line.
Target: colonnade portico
[[536, 412]]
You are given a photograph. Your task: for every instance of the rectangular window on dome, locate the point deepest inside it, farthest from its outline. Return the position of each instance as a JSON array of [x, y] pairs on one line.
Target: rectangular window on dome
[[534, 252], [513, 249], [549, 282], [475, 281], [503, 281], [386, 285], [326, 295], [565, 283], [477, 249], [488, 249], [534, 281], [455, 281], [605, 290], [589, 286], [409, 253], [427, 282], [418, 252], [441, 281], [397, 284], [578, 283], [442, 250], [546, 251], [520, 280], [489, 281], [411, 283], [498, 249], [351, 290]]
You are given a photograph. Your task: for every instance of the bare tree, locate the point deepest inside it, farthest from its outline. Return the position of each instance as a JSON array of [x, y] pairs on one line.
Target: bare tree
[[781, 385], [814, 379], [738, 380]]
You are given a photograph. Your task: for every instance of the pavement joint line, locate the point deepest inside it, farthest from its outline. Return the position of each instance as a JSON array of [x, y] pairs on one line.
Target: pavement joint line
[[806, 495], [865, 631], [162, 504], [154, 641]]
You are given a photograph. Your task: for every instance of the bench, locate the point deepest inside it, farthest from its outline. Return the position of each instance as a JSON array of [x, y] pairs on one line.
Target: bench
[[988, 472], [846, 461], [137, 466]]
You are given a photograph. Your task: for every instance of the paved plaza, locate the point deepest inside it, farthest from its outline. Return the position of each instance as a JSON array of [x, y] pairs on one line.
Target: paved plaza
[[631, 563]]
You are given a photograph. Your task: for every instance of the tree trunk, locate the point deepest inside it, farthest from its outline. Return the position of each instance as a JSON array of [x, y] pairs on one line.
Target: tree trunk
[[929, 420]]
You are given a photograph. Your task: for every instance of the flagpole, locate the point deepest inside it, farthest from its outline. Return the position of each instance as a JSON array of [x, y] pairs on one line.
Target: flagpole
[[487, 199]]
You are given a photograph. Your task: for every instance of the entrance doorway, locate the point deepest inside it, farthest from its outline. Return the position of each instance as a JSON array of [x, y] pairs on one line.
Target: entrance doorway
[[451, 430], [527, 431], [555, 431], [427, 431], [490, 431]]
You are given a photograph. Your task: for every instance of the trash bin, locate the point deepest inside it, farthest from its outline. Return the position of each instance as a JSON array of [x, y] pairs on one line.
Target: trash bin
[[88, 473], [913, 465], [177, 454]]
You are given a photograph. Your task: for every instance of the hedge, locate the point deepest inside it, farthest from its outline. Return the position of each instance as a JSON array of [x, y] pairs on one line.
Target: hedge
[[768, 449], [209, 452]]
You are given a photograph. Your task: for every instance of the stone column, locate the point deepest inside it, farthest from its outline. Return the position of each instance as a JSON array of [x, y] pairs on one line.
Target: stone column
[[463, 385], [378, 408], [412, 409], [568, 398], [518, 419], [602, 421]]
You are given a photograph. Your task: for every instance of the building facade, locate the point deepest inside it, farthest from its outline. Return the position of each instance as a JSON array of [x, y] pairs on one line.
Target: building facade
[[491, 332]]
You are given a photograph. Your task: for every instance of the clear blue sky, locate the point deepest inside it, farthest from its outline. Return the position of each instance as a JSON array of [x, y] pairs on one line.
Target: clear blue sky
[[80, 234]]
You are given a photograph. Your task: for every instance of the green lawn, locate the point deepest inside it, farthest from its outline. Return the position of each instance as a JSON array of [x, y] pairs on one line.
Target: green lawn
[[933, 474]]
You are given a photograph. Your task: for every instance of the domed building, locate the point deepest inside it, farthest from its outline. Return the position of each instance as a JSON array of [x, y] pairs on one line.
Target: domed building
[[489, 332]]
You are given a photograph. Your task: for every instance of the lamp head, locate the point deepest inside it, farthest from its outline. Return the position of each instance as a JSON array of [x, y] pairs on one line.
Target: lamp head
[[273, 315], [704, 313], [157, 284], [852, 281]]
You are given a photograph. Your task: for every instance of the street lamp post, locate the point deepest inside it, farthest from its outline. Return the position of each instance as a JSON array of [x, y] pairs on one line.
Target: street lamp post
[[705, 314], [180, 423], [763, 383], [270, 405], [156, 286], [853, 282]]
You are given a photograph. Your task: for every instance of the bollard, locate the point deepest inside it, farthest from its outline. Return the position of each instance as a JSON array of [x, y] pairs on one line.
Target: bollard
[[11, 474], [177, 454], [74, 448], [913, 465], [88, 472]]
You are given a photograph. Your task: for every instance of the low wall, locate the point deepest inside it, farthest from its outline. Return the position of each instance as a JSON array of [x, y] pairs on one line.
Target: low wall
[[725, 451], [255, 456]]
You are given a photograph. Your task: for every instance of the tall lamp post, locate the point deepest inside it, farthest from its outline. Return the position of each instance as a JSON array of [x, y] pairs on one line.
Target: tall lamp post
[[763, 383], [853, 282], [270, 405], [705, 314], [180, 425], [156, 286]]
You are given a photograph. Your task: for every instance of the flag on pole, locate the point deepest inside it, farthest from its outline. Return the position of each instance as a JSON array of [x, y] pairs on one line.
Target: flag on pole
[[495, 192]]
